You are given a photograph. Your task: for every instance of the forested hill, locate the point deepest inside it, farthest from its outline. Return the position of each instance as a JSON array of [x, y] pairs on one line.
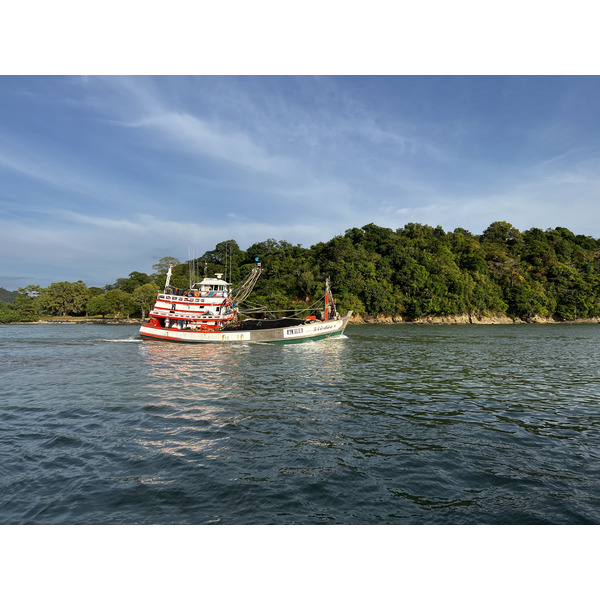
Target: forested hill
[[6, 296], [420, 270], [413, 272]]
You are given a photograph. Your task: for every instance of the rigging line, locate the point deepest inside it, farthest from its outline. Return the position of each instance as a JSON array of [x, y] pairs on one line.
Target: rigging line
[[315, 306], [240, 293]]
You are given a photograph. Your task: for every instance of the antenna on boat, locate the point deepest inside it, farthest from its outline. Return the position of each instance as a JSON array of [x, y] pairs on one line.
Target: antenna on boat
[[327, 292], [190, 266], [228, 261]]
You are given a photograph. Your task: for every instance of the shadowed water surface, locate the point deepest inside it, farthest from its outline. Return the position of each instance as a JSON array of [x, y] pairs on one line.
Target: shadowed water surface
[[389, 425]]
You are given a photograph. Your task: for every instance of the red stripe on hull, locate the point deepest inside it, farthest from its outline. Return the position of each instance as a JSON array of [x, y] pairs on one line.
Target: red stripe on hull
[[153, 336], [190, 303], [221, 298], [194, 318]]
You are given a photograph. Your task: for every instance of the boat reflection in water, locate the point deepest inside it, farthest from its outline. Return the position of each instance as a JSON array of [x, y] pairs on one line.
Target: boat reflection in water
[[204, 400]]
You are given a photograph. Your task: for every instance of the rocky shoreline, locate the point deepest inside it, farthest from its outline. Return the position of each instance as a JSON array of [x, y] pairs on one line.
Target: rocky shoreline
[[462, 319]]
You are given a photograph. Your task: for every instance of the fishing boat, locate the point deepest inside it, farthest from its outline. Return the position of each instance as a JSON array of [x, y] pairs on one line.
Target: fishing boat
[[209, 311]]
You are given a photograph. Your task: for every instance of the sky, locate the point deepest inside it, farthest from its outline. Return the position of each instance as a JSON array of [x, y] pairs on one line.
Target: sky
[[104, 175]]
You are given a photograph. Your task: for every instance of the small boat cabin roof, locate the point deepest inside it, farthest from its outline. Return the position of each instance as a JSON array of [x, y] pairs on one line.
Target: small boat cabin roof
[[212, 284]]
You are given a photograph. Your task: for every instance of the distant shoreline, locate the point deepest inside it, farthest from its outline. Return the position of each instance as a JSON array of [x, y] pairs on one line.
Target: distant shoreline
[[77, 321]]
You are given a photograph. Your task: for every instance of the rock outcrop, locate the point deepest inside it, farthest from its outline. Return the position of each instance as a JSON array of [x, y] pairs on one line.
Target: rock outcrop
[[461, 319]]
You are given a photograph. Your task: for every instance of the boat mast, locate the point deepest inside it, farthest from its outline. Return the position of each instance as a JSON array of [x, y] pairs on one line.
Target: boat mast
[[169, 272]]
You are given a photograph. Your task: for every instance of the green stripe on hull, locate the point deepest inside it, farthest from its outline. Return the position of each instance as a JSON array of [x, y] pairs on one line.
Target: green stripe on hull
[[306, 339]]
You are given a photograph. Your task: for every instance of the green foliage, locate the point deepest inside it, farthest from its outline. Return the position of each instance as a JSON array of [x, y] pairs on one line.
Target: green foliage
[[121, 303], [162, 266], [500, 232], [98, 305], [114, 302], [128, 285], [415, 271], [64, 298], [226, 258], [144, 297], [27, 307], [420, 270], [8, 314]]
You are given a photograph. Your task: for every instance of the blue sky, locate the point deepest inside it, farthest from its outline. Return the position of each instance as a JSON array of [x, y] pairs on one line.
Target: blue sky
[[101, 176]]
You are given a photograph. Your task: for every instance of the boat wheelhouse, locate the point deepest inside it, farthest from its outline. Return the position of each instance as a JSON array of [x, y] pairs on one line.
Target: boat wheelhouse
[[206, 306]]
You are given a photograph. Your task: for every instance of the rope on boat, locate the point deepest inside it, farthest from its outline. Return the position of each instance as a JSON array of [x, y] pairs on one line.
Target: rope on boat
[[318, 304], [240, 293]]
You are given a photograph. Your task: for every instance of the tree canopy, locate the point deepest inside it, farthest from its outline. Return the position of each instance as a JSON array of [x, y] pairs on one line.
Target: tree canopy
[[413, 271]]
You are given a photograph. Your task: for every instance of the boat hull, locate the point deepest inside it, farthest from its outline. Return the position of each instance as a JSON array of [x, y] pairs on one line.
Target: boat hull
[[280, 335]]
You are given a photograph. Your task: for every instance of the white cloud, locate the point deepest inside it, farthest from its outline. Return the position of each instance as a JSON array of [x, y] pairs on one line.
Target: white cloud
[[192, 134], [61, 173]]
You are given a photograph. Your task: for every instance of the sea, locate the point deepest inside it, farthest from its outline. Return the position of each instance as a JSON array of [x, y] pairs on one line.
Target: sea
[[387, 425]]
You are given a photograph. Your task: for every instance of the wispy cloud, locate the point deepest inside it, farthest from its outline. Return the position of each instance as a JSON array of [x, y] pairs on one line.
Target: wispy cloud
[[191, 134], [565, 200], [63, 173]]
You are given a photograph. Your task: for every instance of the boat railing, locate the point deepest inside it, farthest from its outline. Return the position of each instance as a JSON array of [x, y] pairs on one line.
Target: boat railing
[[188, 297]]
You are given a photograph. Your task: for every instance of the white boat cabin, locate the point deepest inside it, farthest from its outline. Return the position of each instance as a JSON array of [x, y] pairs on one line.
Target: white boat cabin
[[213, 286]]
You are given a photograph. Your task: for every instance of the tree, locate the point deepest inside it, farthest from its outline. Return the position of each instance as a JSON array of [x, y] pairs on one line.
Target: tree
[[500, 232], [31, 291], [145, 296], [120, 302], [8, 314], [135, 280], [64, 298], [162, 266], [26, 303], [98, 305]]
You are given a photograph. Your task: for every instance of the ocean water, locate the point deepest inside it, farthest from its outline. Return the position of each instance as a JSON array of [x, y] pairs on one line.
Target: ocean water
[[401, 424]]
